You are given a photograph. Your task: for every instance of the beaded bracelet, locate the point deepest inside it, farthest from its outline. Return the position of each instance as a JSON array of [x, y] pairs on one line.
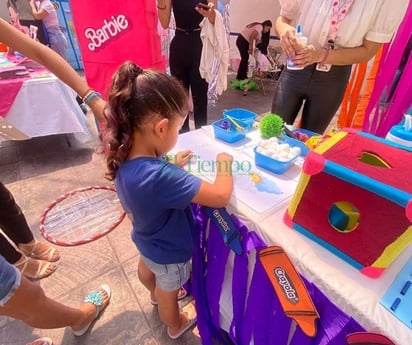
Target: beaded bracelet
[[86, 93], [89, 98], [90, 92]]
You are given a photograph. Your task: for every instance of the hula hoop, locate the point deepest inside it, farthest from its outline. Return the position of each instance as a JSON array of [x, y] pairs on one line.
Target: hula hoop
[[81, 216]]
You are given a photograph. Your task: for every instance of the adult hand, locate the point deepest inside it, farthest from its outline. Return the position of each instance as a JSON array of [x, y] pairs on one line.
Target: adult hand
[[308, 56], [208, 13], [288, 41]]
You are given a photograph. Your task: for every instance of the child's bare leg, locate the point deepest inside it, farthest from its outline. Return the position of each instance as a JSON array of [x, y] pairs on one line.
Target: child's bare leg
[[147, 278], [169, 311]]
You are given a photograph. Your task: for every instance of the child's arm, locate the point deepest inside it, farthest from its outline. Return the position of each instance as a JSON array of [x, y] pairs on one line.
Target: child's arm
[[217, 194]]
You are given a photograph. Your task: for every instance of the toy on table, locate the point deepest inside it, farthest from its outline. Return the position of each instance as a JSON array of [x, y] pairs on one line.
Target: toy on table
[[398, 298], [402, 133], [238, 127], [271, 125], [357, 209]]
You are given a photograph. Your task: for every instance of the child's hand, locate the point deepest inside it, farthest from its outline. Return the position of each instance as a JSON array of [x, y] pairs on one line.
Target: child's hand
[[182, 157], [223, 156]]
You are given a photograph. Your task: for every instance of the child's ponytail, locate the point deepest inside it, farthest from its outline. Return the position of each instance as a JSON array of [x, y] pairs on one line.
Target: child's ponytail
[[134, 95]]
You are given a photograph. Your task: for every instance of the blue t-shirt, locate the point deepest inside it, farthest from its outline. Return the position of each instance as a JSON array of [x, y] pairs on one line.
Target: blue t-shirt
[[156, 195]]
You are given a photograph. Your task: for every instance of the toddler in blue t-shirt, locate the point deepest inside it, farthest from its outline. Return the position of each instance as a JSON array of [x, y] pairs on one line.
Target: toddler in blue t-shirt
[[146, 110]]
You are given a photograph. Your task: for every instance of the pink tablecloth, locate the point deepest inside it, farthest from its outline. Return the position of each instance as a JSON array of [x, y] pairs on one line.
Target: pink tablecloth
[[10, 87]]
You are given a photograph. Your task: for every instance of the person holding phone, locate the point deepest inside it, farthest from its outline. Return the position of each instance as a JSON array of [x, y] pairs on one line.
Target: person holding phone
[[186, 48], [340, 33]]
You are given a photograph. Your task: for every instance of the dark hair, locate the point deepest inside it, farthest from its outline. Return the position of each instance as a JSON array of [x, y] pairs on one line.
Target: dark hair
[[265, 23], [137, 95]]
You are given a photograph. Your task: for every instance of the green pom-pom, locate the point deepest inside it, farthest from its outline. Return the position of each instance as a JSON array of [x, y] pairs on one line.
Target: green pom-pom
[[271, 125]]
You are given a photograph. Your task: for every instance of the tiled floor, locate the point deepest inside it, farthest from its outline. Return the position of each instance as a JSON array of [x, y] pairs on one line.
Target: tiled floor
[[39, 170]]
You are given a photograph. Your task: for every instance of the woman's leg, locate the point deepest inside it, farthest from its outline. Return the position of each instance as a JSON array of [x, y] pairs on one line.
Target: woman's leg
[[198, 85], [14, 225], [30, 305], [325, 94], [243, 46], [290, 92], [179, 62]]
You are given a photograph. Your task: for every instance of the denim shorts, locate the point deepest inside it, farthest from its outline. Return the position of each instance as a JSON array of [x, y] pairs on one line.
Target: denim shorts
[[10, 279], [169, 277]]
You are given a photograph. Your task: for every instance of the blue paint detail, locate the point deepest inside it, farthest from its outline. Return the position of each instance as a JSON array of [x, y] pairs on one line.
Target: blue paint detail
[[328, 246], [398, 298], [395, 195]]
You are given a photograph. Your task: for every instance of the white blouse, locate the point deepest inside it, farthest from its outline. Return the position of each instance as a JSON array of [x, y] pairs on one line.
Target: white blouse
[[374, 20]]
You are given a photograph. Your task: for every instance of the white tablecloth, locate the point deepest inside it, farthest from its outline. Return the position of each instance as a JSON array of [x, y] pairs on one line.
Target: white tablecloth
[[354, 293], [46, 106]]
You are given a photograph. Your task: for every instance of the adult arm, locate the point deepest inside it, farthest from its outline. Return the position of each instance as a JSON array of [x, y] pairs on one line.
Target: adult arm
[[252, 39], [341, 56], [164, 11], [38, 14], [217, 194], [50, 59], [287, 35], [209, 14]]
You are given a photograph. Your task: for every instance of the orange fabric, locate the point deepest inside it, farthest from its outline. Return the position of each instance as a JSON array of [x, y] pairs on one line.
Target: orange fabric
[[294, 298], [353, 105], [370, 83], [351, 98]]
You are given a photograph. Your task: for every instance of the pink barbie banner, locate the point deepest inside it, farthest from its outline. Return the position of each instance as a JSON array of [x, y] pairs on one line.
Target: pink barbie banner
[[111, 32]]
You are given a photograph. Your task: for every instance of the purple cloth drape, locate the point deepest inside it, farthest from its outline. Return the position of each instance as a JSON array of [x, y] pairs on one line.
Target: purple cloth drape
[[257, 312]]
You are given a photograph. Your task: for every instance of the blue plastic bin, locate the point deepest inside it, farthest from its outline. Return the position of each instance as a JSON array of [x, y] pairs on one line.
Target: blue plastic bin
[[274, 165], [245, 117], [229, 135]]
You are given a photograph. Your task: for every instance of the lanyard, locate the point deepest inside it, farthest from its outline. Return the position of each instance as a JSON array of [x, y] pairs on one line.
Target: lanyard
[[339, 10]]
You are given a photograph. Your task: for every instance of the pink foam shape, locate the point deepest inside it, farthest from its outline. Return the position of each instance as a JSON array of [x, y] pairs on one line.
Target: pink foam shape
[[408, 210], [314, 163], [372, 272], [287, 219]]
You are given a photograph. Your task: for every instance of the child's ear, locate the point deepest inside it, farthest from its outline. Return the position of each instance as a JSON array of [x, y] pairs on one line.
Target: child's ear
[[161, 126]]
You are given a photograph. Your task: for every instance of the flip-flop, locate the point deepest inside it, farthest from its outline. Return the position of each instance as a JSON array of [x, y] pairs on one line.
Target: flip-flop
[[42, 269], [50, 254], [41, 340], [96, 298], [181, 295], [191, 323], [190, 310]]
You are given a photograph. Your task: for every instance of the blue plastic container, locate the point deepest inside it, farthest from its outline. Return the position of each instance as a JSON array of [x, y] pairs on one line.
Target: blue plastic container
[[230, 135], [244, 117], [272, 164]]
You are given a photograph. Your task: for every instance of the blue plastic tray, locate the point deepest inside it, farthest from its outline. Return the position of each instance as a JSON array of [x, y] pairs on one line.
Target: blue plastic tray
[[229, 135], [245, 116]]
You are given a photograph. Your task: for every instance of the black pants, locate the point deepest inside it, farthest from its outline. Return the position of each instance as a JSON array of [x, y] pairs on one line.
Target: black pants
[[243, 46], [322, 92], [184, 60], [14, 225]]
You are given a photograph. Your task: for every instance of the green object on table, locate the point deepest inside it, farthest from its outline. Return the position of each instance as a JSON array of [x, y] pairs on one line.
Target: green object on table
[[271, 125], [240, 84]]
